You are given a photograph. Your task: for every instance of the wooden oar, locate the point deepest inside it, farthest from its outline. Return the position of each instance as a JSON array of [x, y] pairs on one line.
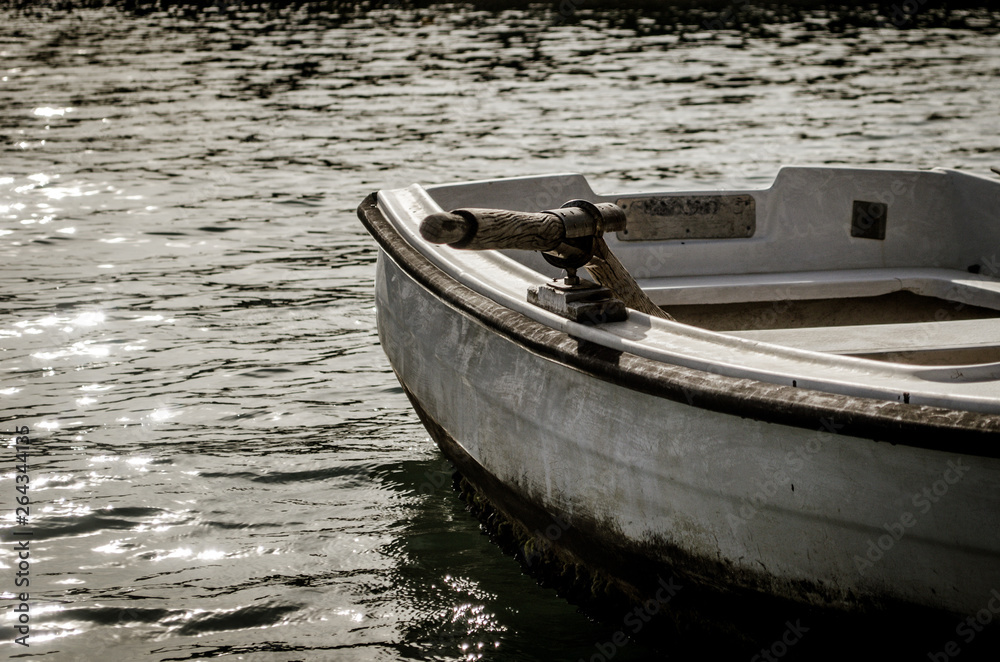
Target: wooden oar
[[605, 268], [491, 229]]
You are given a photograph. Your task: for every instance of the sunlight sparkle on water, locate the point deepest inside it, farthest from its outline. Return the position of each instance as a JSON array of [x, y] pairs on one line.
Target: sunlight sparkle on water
[[162, 414], [113, 547], [355, 616], [46, 111], [62, 507], [51, 320], [85, 348], [88, 319], [60, 192], [211, 555], [179, 553]]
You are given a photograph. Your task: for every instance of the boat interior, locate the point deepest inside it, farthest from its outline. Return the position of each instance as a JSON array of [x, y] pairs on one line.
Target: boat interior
[[890, 265]]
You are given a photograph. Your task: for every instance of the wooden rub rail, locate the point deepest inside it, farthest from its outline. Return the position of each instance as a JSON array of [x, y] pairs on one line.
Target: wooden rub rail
[[569, 237]]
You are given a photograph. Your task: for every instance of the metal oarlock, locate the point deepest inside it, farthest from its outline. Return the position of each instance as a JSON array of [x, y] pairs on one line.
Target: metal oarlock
[[582, 218], [566, 238], [585, 301]]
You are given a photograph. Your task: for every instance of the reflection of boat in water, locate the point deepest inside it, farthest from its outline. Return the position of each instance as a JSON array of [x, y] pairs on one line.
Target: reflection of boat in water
[[820, 424]]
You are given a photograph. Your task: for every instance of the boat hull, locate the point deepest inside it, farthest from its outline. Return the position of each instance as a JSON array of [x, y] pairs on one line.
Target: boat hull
[[654, 480]]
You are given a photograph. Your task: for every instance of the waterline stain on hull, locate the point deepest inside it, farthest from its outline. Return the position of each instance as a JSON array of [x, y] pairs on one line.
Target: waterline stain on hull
[[681, 605]]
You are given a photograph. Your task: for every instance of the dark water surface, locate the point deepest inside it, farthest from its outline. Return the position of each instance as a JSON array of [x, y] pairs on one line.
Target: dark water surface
[[222, 463]]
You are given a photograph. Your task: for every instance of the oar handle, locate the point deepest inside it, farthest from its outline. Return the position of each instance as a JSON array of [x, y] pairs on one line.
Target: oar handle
[[489, 229]]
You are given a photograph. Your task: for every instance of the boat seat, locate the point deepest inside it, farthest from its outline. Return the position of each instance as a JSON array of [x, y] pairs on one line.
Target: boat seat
[[931, 340], [949, 284], [873, 339]]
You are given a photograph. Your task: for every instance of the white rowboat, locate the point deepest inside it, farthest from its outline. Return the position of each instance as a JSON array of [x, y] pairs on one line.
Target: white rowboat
[[821, 423]]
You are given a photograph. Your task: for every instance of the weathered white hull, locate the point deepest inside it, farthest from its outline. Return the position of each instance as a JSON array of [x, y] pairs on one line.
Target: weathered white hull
[[761, 506], [651, 468]]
